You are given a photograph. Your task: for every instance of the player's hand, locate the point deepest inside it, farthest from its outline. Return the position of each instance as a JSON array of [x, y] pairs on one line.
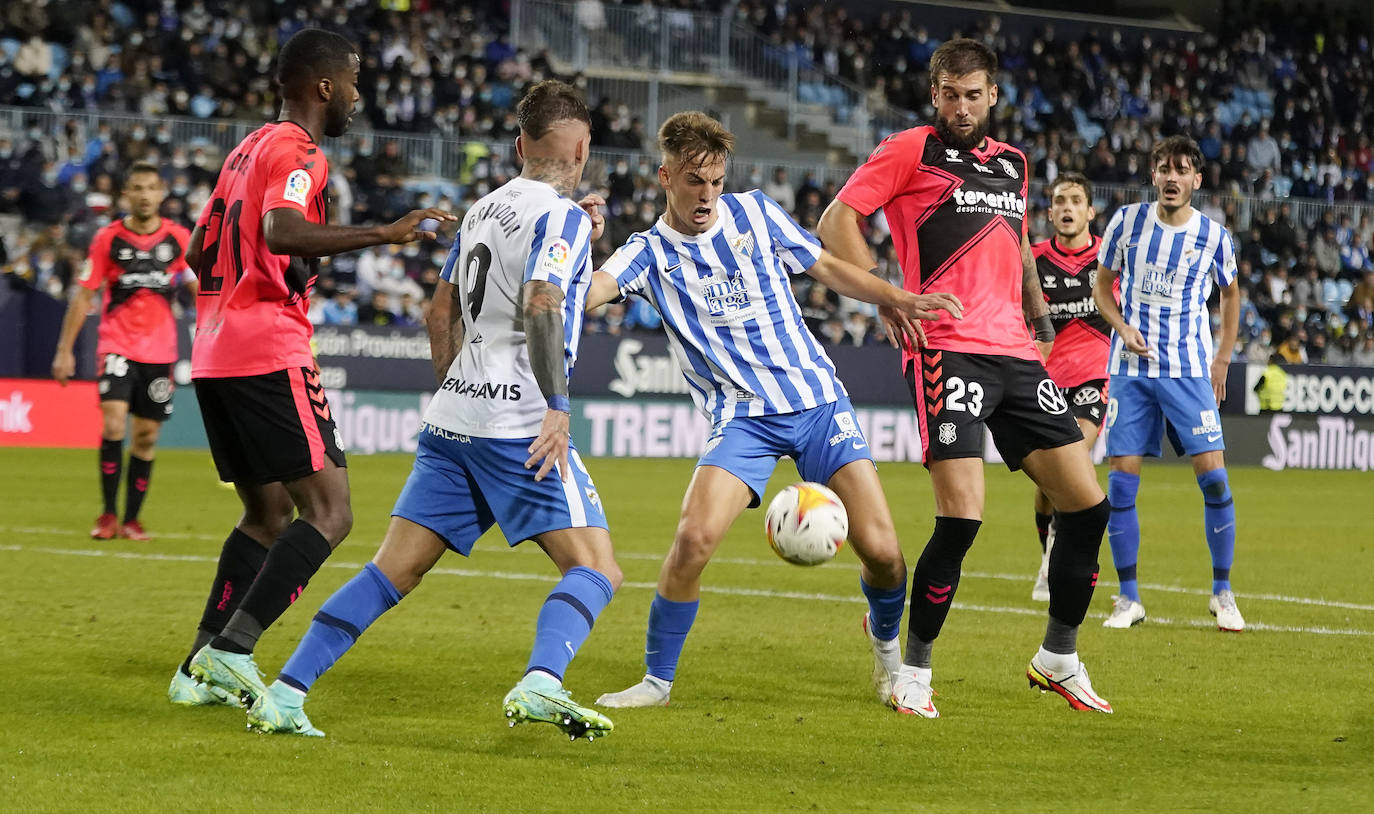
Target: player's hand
[[929, 306], [551, 447], [63, 366], [1044, 348], [902, 330], [1219, 368], [591, 204], [1134, 341], [418, 224]]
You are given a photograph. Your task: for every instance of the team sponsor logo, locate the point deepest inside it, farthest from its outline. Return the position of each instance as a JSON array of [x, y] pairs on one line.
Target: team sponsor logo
[[1008, 204], [557, 255], [1086, 396], [1008, 168], [982, 168], [1051, 400], [952, 156], [744, 395], [297, 188], [164, 253], [491, 391], [744, 244], [1079, 307], [948, 433], [1072, 282], [160, 389], [848, 429], [1210, 426], [727, 300]]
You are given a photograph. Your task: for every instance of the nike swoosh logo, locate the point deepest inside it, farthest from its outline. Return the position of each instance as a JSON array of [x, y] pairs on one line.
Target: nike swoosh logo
[[571, 652], [857, 445], [652, 652], [1220, 529], [672, 269], [1211, 439]]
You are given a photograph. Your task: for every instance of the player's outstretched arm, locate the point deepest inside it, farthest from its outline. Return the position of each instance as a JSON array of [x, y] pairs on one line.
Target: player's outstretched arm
[[603, 289], [850, 280], [64, 361], [544, 337], [1106, 305], [445, 325], [1226, 347], [288, 232]]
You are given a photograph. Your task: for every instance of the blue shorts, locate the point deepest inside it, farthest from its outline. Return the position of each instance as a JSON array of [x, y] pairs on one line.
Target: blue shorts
[[821, 440], [1139, 408], [460, 485]]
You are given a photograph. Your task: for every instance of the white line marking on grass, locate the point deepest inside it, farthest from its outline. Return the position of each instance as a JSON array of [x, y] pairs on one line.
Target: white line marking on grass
[[516, 576]]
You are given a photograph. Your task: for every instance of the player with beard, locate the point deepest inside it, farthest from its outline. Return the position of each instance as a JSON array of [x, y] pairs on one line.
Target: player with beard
[[1078, 363], [255, 249], [955, 199], [139, 262]]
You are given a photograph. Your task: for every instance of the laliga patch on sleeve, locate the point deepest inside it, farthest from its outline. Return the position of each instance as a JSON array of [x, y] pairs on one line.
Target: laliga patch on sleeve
[[297, 187], [556, 256]]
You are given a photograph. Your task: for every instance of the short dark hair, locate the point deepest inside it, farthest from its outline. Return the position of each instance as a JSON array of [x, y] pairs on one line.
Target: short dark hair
[[313, 53], [547, 103], [961, 57], [1074, 179], [1173, 148], [694, 136], [140, 168]]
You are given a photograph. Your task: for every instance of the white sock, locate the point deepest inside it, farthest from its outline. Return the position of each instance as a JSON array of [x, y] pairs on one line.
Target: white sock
[[545, 674], [1058, 662], [282, 687], [655, 681], [921, 674]]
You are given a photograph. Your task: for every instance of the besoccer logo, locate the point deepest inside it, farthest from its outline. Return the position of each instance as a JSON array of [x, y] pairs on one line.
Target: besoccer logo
[[1051, 400], [1008, 167], [948, 433]]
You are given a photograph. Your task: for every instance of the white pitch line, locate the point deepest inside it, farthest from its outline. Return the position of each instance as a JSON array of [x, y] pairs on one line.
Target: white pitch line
[[745, 561], [1155, 621]]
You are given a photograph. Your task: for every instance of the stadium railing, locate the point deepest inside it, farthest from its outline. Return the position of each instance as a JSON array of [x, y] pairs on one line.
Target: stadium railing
[[657, 44], [435, 162]]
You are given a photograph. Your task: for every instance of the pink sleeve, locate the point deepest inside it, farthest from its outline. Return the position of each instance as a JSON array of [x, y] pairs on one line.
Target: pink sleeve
[[886, 174]]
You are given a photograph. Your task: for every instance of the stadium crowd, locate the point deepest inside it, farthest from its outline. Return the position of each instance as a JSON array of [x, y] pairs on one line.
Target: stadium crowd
[[1280, 109]]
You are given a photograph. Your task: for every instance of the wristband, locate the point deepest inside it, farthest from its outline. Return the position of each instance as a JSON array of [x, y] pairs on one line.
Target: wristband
[[560, 403], [1044, 328]]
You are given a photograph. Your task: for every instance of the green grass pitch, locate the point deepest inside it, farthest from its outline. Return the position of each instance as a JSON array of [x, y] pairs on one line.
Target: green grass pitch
[[772, 710]]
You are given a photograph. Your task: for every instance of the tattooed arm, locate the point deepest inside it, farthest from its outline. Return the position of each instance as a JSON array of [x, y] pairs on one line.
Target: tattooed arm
[[544, 336], [1033, 304]]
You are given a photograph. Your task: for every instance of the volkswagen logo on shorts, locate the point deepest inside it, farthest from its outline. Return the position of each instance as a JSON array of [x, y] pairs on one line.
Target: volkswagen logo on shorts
[[1086, 396], [160, 389], [1051, 400]]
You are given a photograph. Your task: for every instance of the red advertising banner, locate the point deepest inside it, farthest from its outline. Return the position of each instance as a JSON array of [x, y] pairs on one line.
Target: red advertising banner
[[37, 413]]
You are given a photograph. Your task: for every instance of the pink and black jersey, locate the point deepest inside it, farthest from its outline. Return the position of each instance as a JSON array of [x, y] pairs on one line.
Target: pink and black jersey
[[251, 312], [140, 274], [1082, 337], [957, 219]]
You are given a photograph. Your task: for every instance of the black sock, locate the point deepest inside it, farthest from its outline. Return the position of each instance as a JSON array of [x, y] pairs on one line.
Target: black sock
[[140, 473], [935, 578], [293, 559], [239, 562], [111, 460], [1042, 528], [1073, 561]]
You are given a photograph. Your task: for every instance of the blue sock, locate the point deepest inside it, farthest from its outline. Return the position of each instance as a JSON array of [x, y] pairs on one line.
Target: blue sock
[[1219, 517], [1123, 529], [885, 606], [566, 619], [338, 624], [669, 623]]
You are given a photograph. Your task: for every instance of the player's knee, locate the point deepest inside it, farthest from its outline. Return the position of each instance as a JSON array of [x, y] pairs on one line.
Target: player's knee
[[611, 571], [951, 540], [1080, 535], [693, 547], [879, 550], [1122, 488]]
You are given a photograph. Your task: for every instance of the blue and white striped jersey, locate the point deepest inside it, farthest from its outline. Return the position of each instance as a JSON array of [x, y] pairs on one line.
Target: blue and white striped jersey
[[520, 232], [1166, 275], [733, 324]]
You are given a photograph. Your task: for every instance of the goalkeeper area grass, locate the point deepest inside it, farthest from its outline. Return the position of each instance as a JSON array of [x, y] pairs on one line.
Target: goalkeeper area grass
[[772, 709]]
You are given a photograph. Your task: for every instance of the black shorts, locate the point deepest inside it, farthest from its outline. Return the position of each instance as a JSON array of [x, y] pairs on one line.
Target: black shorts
[[1088, 401], [956, 394], [146, 387], [269, 428]]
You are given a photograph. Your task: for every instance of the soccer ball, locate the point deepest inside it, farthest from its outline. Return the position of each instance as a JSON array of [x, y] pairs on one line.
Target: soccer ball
[[806, 524]]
